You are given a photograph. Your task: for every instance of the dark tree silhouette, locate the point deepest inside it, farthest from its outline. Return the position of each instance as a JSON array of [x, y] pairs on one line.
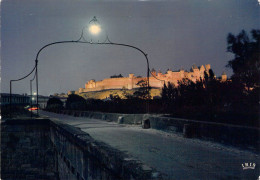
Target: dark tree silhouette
[[190, 93], [116, 76], [169, 95], [75, 102], [143, 91], [54, 103], [246, 62]]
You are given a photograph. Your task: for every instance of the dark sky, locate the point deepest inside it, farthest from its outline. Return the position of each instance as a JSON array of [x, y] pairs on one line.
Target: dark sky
[[175, 34]]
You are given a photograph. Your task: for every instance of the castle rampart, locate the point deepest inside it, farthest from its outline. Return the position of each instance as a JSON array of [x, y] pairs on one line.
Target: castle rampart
[[156, 80]]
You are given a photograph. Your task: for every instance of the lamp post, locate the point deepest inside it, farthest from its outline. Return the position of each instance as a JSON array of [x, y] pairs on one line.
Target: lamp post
[[94, 28], [32, 98]]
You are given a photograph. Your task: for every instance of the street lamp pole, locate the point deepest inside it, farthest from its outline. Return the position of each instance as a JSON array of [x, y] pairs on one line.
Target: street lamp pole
[[31, 96], [37, 87], [31, 92], [95, 30]]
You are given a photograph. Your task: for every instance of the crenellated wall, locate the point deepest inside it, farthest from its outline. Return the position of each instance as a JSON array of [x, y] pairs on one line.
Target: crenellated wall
[[156, 80]]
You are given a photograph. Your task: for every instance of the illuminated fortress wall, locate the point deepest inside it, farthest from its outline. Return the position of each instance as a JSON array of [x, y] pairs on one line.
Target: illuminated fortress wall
[[131, 81]]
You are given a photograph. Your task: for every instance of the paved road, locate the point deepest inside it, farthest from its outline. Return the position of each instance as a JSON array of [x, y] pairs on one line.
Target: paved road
[[174, 156]]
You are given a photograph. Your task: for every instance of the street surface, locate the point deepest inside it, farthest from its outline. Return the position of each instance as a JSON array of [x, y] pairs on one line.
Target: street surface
[[171, 154]]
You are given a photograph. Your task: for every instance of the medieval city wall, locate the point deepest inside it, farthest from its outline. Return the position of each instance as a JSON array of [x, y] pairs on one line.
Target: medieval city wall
[[157, 79]]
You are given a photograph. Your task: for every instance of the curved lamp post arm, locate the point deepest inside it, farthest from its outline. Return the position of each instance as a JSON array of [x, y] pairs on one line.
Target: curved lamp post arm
[[10, 96], [50, 44], [25, 76], [36, 71], [110, 43]]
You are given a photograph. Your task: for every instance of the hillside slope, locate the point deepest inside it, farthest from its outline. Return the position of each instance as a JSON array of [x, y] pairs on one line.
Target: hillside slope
[[106, 93]]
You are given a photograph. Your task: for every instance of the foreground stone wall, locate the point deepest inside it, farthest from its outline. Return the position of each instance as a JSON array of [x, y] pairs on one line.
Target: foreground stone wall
[[47, 149], [81, 157], [73, 161], [26, 151]]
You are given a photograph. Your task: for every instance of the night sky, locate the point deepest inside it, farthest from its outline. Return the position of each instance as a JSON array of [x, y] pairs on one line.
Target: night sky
[[175, 34]]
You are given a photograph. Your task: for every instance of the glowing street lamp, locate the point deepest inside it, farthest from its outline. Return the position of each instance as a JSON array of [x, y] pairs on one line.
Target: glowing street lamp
[[94, 27]]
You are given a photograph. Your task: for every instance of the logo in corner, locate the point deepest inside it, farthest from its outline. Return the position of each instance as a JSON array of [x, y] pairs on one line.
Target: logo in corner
[[248, 166]]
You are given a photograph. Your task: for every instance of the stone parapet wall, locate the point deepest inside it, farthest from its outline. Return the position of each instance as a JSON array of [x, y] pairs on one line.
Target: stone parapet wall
[[26, 151], [73, 160], [126, 118], [82, 157], [240, 136], [48, 149]]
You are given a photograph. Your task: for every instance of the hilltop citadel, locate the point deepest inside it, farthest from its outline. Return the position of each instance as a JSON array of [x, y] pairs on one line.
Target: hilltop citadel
[[156, 80]]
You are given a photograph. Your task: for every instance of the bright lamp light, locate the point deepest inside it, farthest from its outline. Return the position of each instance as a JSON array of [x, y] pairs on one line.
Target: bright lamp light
[[94, 29]]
